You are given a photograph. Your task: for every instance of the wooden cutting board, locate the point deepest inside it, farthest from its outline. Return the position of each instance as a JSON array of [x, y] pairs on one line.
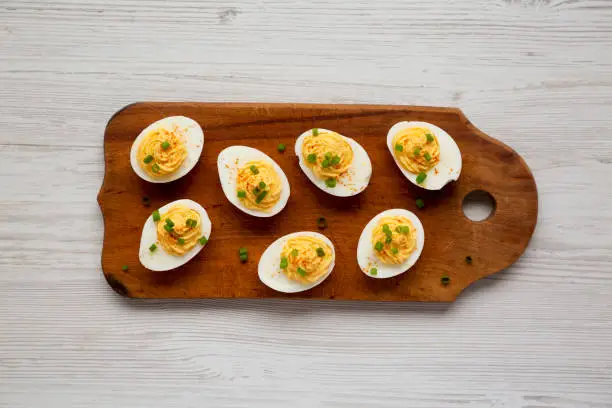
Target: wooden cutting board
[[488, 165]]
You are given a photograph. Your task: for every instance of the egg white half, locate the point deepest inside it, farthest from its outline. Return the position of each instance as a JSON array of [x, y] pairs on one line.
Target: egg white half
[[366, 254], [159, 260], [269, 265], [194, 143], [448, 168], [233, 158], [356, 178]]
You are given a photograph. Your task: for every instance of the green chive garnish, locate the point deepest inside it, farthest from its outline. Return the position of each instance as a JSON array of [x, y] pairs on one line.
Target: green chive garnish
[[386, 228], [421, 177], [398, 229], [315, 132], [261, 196], [156, 216], [254, 169], [468, 260], [155, 168], [328, 155], [191, 223], [165, 145], [398, 148], [325, 163], [321, 222], [420, 203], [168, 228], [148, 159], [180, 241], [124, 268], [281, 147], [262, 185], [378, 246], [429, 137], [203, 240], [373, 271], [320, 252], [417, 151], [427, 156], [405, 229], [169, 222], [244, 258], [294, 253], [153, 247], [330, 182], [394, 251], [312, 158], [445, 280], [242, 251], [241, 194], [301, 271], [256, 190], [335, 160], [284, 263]]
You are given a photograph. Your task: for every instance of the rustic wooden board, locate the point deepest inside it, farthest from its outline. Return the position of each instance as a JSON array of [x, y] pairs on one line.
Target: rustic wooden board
[[216, 272]]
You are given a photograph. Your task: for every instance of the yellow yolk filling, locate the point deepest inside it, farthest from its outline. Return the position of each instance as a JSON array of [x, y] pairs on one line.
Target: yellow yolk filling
[[252, 192], [328, 154], [158, 161], [414, 151], [181, 237], [393, 244], [303, 262]]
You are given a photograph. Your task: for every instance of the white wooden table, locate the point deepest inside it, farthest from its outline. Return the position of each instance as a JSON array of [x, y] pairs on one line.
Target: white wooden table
[[536, 74]]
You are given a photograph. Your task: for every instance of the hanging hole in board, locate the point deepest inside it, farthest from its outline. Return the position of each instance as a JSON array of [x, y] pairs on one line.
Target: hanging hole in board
[[479, 205]]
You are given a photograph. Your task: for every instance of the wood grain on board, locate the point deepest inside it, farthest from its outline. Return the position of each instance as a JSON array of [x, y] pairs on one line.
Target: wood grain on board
[[489, 165]]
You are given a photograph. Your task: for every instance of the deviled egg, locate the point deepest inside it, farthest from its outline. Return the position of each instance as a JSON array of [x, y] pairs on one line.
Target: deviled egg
[[173, 235], [390, 243], [168, 149], [297, 262], [252, 181], [426, 154], [336, 164]]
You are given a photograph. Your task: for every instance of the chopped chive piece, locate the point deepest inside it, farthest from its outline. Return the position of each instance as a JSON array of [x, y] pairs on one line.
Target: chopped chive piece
[[373, 271], [155, 168], [417, 151], [156, 216], [153, 247], [394, 251], [378, 246], [168, 228], [427, 156], [325, 163], [320, 252], [386, 228], [148, 159], [261, 196], [421, 177], [321, 222], [254, 169], [328, 155], [335, 160], [429, 137], [398, 229], [281, 147], [124, 268], [244, 258], [241, 194], [312, 158], [180, 241], [398, 148], [294, 253], [445, 280], [388, 240], [191, 223], [203, 240], [405, 229], [165, 145], [315, 132], [242, 251], [468, 260], [169, 222], [301, 271], [256, 190], [262, 185], [330, 182], [284, 263], [146, 201], [420, 203]]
